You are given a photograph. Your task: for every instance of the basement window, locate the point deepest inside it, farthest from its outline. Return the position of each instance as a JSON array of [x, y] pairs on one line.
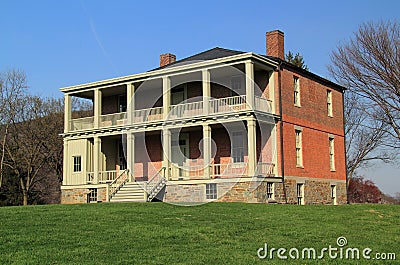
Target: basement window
[[92, 195], [270, 191], [300, 193], [211, 191], [333, 194]]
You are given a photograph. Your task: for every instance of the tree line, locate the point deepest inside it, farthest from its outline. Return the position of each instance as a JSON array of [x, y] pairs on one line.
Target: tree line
[[31, 150]]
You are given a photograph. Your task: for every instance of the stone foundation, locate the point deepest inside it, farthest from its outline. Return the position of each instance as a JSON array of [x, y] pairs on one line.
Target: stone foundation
[[80, 195], [316, 191]]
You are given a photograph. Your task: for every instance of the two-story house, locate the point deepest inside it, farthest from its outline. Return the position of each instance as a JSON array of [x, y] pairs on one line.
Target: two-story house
[[220, 125]]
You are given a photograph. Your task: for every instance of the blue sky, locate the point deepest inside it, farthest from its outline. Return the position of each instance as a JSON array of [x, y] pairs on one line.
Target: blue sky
[[63, 43]]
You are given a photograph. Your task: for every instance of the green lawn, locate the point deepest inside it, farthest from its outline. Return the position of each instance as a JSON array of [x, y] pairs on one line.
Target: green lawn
[[214, 233]]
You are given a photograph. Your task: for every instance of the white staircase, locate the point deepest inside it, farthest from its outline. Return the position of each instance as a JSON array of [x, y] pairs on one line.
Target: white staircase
[[130, 192]]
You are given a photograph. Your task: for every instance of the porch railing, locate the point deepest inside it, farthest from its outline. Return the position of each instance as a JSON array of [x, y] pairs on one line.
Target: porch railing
[[81, 123], [262, 104], [228, 104], [228, 170], [117, 183], [113, 119], [265, 169], [146, 115], [186, 110], [186, 171], [192, 109], [155, 183], [104, 176], [89, 177], [108, 176]]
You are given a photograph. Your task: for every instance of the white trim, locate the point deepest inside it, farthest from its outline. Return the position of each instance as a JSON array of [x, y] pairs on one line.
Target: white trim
[[202, 64]]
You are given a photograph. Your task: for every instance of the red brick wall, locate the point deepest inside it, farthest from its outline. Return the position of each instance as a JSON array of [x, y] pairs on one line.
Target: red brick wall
[[109, 105], [194, 89], [275, 44], [222, 141], [148, 158], [219, 91], [312, 116]]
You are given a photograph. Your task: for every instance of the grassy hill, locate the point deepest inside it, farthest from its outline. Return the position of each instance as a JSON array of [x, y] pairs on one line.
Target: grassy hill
[[215, 233]]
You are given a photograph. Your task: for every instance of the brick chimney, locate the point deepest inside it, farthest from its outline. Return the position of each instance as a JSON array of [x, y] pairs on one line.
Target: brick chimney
[[166, 59], [275, 44]]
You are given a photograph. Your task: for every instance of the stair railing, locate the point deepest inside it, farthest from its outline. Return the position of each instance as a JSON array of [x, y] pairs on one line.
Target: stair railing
[[117, 183], [154, 182]]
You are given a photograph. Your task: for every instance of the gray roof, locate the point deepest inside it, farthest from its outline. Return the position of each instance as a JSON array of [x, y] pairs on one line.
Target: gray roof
[[218, 52], [211, 54]]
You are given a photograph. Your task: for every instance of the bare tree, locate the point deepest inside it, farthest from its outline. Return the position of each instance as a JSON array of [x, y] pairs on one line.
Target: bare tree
[[365, 137], [369, 65], [12, 87], [31, 148]]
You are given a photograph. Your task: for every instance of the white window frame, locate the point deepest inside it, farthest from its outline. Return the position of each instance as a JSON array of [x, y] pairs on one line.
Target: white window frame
[[76, 163], [299, 147], [270, 188], [92, 195], [329, 103], [300, 193], [332, 153], [296, 91], [211, 191]]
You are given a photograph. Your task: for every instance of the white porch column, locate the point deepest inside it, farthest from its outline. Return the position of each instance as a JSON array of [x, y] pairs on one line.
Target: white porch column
[[271, 95], [65, 163], [166, 96], [96, 158], [166, 143], [130, 101], [97, 108], [249, 68], [67, 112], [130, 159], [251, 147], [206, 91], [207, 149]]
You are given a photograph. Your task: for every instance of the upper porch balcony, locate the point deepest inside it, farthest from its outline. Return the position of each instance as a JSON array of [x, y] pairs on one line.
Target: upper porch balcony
[[199, 94], [226, 105]]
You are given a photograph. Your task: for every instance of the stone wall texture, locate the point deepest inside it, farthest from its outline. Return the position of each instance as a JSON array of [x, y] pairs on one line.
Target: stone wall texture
[[80, 195]]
